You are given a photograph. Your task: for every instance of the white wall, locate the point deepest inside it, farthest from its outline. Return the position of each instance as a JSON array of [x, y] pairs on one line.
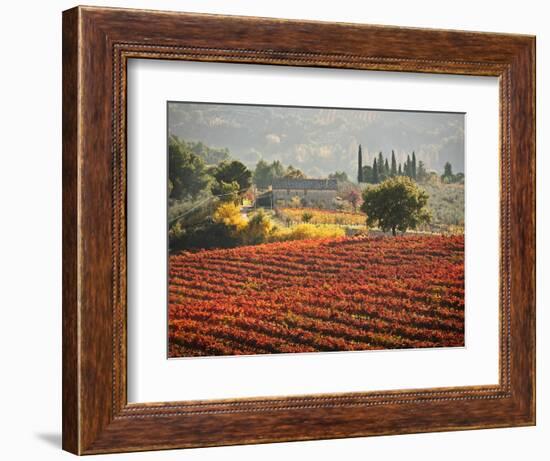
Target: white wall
[[30, 244]]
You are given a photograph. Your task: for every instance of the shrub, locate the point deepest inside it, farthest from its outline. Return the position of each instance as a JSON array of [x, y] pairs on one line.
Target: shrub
[[230, 216], [257, 229], [307, 216]]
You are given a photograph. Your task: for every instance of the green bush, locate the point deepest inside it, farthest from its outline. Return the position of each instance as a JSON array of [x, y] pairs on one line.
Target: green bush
[[307, 217]]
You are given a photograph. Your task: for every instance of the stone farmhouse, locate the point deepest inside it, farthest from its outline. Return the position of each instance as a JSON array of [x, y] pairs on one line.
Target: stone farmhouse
[[311, 192]]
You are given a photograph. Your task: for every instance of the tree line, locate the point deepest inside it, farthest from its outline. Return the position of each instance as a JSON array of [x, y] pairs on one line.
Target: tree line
[[190, 177], [265, 173], [383, 168]]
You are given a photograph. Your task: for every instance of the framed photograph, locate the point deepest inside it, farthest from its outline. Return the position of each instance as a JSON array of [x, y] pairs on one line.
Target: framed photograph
[[282, 230]]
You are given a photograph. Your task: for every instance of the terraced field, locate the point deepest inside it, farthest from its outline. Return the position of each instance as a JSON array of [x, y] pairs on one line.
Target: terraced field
[[356, 293]]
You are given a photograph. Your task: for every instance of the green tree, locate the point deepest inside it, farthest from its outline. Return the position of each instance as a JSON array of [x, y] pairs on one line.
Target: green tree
[[368, 174], [261, 174], [277, 169], [386, 169], [407, 167], [381, 169], [226, 191], [400, 171], [307, 216], [397, 204], [265, 173], [234, 171], [413, 166], [187, 172], [393, 171], [360, 177], [448, 176], [210, 155], [295, 173], [341, 176], [375, 172]]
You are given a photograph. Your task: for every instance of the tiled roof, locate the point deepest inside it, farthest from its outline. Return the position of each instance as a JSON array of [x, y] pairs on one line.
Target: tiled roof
[[310, 184]]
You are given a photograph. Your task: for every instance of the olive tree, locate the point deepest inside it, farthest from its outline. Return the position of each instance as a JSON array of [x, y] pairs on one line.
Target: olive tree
[[396, 204]]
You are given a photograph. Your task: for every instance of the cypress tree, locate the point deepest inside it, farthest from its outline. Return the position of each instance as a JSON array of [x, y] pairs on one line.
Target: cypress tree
[[393, 171], [360, 177], [367, 174], [413, 168], [400, 171], [375, 175], [408, 166], [448, 176], [386, 168], [381, 172]]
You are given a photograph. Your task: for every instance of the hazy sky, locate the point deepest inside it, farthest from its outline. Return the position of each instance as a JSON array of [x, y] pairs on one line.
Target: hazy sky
[[321, 140]]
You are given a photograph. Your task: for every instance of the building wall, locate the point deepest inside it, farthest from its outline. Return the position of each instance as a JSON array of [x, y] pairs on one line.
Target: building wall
[[321, 198]]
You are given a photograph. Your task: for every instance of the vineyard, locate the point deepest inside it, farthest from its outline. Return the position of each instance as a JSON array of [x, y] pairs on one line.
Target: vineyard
[[316, 216], [355, 293]]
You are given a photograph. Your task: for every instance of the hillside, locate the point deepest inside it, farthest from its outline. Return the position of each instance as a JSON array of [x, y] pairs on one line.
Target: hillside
[[321, 141]]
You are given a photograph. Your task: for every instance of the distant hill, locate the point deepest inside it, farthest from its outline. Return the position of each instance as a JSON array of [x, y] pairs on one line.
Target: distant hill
[[319, 141], [211, 156]]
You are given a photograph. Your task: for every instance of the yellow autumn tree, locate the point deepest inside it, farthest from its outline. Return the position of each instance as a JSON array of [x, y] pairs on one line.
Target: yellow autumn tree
[[230, 216]]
